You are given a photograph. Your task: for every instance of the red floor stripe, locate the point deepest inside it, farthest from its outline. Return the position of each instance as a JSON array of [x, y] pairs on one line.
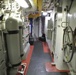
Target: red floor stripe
[[27, 61], [45, 47], [50, 68]]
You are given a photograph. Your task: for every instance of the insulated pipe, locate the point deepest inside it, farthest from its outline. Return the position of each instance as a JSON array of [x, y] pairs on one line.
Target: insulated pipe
[[32, 7], [2, 68], [1, 49], [20, 38], [2, 55], [12, 41]]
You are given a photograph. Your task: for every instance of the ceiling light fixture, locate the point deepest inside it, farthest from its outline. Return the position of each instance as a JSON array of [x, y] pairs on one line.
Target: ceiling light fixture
[[22, 3]]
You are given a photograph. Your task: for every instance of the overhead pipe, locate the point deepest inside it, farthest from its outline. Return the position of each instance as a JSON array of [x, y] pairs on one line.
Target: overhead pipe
[[28, 2], [69, 8], [32, 6]]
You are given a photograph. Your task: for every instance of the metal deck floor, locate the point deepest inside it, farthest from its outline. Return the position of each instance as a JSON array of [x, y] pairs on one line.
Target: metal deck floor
[[38, 60]]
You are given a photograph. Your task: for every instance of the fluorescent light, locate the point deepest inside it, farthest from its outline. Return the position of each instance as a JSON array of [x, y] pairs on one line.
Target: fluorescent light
[[59, 14], [69, 15], [22, 3], [44, 13]]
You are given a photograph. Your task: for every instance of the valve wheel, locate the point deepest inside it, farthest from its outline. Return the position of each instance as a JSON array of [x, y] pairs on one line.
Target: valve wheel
[[68, 44]]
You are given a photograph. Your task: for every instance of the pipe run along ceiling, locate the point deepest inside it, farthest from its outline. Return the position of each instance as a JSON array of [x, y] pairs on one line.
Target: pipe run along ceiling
[[38, 5]]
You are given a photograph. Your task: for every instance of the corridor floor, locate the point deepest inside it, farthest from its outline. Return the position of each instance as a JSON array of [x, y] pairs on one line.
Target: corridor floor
[[38, 61]]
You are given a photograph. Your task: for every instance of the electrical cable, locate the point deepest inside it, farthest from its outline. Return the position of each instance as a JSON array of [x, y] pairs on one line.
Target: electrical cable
[[68, 44], [70, 5], [49, 5]]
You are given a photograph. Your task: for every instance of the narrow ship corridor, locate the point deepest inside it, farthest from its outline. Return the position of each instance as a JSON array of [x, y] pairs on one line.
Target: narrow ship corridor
[[37, 37], [41, 60]]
